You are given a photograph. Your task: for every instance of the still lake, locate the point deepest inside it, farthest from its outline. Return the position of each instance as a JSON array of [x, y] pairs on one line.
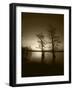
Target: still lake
[[36, 57], [33, 66]]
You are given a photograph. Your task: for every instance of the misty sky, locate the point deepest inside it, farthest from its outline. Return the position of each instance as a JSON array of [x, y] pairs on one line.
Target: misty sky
[[33, 23]]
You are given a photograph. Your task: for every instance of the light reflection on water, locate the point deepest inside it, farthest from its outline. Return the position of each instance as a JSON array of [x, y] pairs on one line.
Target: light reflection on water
[[36, 57]]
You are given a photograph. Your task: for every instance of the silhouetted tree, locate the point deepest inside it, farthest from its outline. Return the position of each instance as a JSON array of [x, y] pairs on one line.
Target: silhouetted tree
[[42, 43], [54, 40]]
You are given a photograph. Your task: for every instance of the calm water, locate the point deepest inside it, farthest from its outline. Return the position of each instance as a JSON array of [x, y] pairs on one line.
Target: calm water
[[32, 66], [36, 57]]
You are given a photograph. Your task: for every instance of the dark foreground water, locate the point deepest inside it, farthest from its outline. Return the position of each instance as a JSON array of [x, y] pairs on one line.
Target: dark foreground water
[[32, 65]]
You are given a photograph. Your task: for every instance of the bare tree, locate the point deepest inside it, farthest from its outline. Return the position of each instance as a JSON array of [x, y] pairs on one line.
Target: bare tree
[[42, 43], [54, 40]]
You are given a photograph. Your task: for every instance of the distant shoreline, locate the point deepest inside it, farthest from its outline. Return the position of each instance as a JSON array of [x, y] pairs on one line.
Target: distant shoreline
[[44, 50]]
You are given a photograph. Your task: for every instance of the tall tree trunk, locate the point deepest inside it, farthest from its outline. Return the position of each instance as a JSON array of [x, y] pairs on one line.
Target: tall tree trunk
[[42, 58], [53, 56], [53, 51]]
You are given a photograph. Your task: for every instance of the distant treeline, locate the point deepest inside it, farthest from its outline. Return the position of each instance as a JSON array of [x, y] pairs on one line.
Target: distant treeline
[[30, 50]]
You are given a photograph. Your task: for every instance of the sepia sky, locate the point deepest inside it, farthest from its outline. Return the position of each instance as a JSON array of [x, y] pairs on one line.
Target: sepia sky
[[34, 23]]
